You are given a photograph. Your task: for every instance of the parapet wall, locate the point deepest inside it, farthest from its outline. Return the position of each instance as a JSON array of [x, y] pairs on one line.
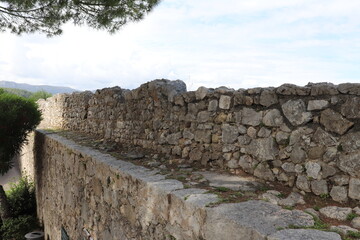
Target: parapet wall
[[306, 137], [85, 194]]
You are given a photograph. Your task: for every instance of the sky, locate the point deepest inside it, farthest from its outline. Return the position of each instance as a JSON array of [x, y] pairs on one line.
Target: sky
[[212, 43]]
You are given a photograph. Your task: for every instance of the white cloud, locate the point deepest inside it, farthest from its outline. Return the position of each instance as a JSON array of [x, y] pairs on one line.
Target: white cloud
[[203, 42]]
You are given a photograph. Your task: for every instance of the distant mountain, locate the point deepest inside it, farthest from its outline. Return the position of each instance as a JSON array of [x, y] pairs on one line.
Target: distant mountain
[[35, 88]]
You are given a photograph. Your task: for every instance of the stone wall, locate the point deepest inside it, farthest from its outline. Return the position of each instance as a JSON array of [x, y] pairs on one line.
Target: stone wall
[[84, 193], [307, 137]]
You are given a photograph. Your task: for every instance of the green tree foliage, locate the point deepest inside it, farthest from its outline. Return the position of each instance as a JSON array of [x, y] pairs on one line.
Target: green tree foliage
[[16, 91], [39, 95], [47, 16], [22, 204], [21, 198], [16, 228], [18, 117]]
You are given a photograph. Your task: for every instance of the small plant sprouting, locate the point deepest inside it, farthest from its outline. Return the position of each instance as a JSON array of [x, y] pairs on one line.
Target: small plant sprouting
[[340, 148], [289, 207], [324, 195], [222, 189], [354, 234], [281, 195], [263, 188], [351, 216], [316, 208]]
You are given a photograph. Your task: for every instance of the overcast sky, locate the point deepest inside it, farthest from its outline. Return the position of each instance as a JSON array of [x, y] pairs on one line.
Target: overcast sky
[[233, 43]]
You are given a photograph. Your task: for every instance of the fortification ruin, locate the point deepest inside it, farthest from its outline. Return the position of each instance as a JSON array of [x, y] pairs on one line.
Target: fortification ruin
[[303, 137]]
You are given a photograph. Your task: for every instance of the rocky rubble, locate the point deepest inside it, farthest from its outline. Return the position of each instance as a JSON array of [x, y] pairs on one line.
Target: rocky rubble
[[305, 137]]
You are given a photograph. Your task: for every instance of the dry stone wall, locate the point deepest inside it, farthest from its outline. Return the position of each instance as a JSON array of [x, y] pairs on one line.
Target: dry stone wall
[[307, 137], [85, 194]]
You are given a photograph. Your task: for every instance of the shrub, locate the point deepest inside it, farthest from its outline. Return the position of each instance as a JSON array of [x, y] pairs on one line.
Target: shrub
[[21, 198], [16, 228], [18, 117]]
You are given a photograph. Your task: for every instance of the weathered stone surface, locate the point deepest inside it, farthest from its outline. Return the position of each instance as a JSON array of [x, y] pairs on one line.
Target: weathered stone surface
[[334, 122], [251, 132], [188, 134], [295, 112], [299, 134], [298, 155], [327, 170], [247, 163], [323, 138], [302, 234], [356, 222], [239, 97], [312, 212], [195, 154], [250, 220], [288, 167], [323, 89], [268, 98], [313, 169], [203, 116], [350, 163], [263, 148], [244, 140], [350, 142], [291, 89], [273, 118], [236, 183], [343, 229], [334, 212], [339, 193], [233, 163], [173, 138], [271, 196], [319, 187], [317, 105], [264, 132], [299, 168], [357, 210], [330, 154], [225, 102], [302, 183], [229, 133], [292, 200], [354, 188], [341, 180], [316, 152], [213, 105], [251, 117], [349, 88], [282, 138], [203, 136], [263, 171], [201, 93], [351, 108]]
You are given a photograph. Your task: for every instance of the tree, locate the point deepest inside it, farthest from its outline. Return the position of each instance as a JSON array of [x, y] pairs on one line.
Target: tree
[[18, 117], [47, 16], [40, 95]]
